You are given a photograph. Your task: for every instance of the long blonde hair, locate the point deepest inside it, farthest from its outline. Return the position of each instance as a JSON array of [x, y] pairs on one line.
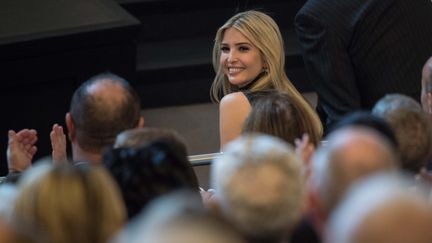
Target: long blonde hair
[[264, 33]]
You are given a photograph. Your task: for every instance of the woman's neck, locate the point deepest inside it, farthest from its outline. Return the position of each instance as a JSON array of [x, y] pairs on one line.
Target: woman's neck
[[251, 83]]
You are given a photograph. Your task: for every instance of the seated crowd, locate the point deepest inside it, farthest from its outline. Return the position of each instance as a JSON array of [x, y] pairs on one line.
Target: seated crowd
[[126, 183], [276, 180]]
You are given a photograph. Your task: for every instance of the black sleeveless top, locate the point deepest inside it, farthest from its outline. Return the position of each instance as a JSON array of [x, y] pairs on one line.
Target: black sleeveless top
[[253, 96]]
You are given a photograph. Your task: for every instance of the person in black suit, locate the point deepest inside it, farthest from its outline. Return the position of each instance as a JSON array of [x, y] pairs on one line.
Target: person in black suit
[[355, 52]]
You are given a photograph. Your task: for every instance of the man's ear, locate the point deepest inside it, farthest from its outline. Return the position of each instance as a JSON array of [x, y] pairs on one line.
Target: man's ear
[[140, 122], [70, 126]]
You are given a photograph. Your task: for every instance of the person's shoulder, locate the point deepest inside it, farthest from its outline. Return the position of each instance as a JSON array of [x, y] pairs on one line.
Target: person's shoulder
[[235, 98], [236, 104]]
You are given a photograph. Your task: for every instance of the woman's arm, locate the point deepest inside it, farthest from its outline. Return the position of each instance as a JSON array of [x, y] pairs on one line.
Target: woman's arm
[[233, 110]]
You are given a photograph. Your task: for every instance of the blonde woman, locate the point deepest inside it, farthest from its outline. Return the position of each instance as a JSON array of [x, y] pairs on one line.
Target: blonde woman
[[68, 204], [248, 56]]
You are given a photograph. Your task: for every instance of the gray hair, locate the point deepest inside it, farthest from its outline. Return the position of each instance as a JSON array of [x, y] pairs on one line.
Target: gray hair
[[261, 206], [411, 127]]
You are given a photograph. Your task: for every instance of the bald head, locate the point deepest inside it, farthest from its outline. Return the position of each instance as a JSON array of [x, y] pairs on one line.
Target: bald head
[[382, 209], [102, 107], [350, 154], [401, 219], [107, 91]]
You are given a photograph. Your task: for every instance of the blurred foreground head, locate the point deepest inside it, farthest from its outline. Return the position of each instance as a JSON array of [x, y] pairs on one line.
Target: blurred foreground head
[[65, 203], [382, 208], [144, 173], [411, 127], [178, 217], [139, 137], [259, 187], [350, 154]]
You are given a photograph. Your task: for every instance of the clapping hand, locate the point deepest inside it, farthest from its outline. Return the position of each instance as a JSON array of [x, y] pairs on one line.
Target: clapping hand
[[305, 150], [21, 149], [58, 144]]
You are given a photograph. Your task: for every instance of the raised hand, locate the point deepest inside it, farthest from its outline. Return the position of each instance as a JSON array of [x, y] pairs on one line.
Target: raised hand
[[304, 150], [58, 144], [207, 196], [21, 149]]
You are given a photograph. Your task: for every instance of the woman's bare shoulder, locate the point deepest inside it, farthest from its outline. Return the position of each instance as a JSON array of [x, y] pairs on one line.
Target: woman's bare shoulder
[[234, 99], [233, 110]]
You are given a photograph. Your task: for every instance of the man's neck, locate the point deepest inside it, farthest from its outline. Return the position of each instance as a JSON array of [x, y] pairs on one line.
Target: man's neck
[[80, 155]]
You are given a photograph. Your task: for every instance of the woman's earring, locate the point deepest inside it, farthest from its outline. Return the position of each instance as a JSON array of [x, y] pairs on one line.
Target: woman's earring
[[265, 70]]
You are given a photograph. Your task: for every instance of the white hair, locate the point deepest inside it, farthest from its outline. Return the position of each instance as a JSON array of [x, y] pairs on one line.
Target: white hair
[[259, 184]]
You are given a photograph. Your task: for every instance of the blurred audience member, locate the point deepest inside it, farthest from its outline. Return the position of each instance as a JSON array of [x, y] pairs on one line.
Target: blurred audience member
[[350, 153], [144, 173], [411, 127], [138, 137], [101, 107], [306, 231], [259, 187], [381, 209], [274, 113], [367, 120], [178, 217], [7, 197], [65, 203]]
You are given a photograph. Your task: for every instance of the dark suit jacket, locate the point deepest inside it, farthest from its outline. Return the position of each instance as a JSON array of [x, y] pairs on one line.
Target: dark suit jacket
[[356, 51]]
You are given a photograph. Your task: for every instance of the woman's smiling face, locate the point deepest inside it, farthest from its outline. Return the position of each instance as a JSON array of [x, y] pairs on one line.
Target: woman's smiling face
[[241, 61]]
